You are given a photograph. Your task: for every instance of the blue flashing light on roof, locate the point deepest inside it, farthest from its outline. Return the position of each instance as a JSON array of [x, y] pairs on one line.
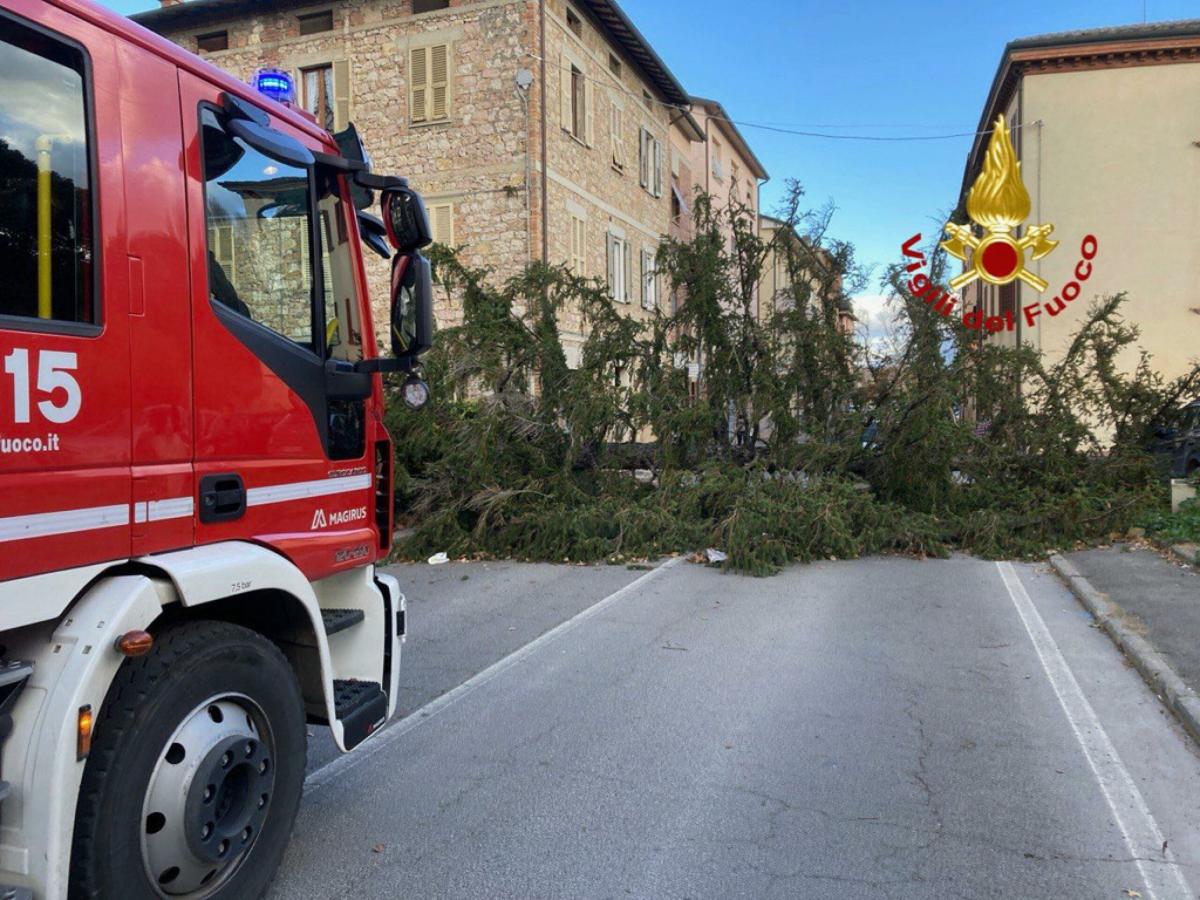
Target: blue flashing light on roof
[[276, 84]]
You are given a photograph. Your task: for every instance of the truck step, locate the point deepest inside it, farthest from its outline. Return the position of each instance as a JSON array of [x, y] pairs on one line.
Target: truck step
[[361, 707], [340, 619]]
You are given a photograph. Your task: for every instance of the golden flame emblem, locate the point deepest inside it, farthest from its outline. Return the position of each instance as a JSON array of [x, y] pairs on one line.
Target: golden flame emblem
[[998, 203]]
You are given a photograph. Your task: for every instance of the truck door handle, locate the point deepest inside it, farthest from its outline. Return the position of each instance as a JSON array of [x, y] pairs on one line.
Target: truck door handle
[[222, 498]]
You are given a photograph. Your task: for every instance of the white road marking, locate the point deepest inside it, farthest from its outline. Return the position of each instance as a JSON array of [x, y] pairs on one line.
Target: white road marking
[[1163, 881], [343, 764]]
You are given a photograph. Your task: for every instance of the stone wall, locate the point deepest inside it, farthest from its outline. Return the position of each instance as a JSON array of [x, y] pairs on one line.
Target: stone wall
[[473, 161], [584, 182]]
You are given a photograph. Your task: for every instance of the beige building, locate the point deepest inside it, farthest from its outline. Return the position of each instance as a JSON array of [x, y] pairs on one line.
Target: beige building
[[777, 290], [723, 165], [535, 129], [1105, 125]]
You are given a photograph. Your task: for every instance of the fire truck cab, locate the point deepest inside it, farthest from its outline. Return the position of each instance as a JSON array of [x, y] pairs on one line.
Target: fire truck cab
[[195, 477]]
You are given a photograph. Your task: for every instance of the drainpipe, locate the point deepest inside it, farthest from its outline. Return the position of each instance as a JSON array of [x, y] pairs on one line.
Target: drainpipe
[[545, 177]]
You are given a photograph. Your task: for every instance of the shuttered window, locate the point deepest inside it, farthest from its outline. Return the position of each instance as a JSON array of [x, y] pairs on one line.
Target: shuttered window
[[220, 242], [650, 163], [429, 83], [327, 93], [441, 221], [578, 246], [318, 94], [620, 269], [617, 130], [649, 281], [576, 101]]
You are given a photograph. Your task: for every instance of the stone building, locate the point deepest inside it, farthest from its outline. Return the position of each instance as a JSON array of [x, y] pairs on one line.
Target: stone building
[[535, 129], [1104, 127]]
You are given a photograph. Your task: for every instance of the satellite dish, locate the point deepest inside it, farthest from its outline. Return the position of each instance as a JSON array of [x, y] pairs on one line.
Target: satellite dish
[[524, 79]]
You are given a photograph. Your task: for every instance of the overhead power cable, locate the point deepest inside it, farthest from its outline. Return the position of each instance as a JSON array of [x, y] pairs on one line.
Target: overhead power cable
[[800, 131]]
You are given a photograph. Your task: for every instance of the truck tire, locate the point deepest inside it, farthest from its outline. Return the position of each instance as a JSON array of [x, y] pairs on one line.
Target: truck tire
[[195, 773]]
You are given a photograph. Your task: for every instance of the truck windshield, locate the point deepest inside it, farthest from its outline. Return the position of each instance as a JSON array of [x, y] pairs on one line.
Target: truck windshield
[[259, 214]]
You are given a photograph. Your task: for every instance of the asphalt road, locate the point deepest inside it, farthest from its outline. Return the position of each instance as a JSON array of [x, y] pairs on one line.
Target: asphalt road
[[884, 728]]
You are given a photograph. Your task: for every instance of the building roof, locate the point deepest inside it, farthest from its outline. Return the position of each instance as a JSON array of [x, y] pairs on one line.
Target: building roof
[[625, 34], [688, 125], [195, 13], [612, 19], [1120, 46], [717, 112]]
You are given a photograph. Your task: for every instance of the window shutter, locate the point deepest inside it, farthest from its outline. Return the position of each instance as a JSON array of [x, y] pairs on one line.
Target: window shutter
[[419, 85], [439, 81], [645, 275], [341, 94], [441, 222], [564, 92], [617, 124], [658, 168], [644, 157], [628, 271], [610, 242], [580, 245], [589, 118]]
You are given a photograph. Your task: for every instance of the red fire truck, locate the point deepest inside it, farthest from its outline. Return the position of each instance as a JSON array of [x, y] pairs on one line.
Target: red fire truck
[[195, 478]]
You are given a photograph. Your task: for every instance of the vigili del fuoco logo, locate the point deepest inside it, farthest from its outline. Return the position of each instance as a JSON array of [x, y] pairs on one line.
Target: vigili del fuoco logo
[[999, 204]]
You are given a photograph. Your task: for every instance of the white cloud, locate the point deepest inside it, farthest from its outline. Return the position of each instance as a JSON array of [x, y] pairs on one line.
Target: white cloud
[[876, 321]]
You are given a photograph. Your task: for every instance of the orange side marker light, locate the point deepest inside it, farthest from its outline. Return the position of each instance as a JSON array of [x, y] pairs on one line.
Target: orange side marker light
[[135, 643], [83, 745]]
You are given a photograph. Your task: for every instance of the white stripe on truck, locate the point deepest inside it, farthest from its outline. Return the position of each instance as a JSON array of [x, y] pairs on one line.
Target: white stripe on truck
[[71, 521], [68, 521], [302, 490]]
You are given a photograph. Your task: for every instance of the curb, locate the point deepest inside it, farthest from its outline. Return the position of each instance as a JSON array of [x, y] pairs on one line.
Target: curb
[[1168, 686], [1189, 553]]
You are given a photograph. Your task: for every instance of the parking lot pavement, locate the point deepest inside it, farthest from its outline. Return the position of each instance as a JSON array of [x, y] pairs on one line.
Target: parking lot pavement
[[883, 728]]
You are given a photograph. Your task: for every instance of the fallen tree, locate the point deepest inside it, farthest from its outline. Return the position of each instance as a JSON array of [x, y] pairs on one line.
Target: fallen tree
[[796, 443]]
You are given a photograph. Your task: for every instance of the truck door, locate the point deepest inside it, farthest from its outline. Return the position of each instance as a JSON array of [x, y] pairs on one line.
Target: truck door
[[64, 327], [281, 453]]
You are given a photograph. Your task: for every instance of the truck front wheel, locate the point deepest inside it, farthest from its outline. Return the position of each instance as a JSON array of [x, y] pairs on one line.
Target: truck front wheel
[[195, 772]]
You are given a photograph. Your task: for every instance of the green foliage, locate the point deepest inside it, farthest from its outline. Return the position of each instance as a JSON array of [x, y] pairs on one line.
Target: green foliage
[[767, 455], [1178, 527]]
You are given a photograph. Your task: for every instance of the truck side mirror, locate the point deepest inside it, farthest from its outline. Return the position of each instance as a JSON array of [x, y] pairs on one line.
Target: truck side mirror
[[406, 220], [412, 308]]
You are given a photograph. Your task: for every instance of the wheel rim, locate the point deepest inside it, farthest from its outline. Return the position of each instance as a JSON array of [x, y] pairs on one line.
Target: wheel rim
[[208, 797]]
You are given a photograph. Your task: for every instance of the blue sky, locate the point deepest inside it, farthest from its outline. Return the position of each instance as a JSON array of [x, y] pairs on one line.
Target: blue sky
[[863, 67]]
